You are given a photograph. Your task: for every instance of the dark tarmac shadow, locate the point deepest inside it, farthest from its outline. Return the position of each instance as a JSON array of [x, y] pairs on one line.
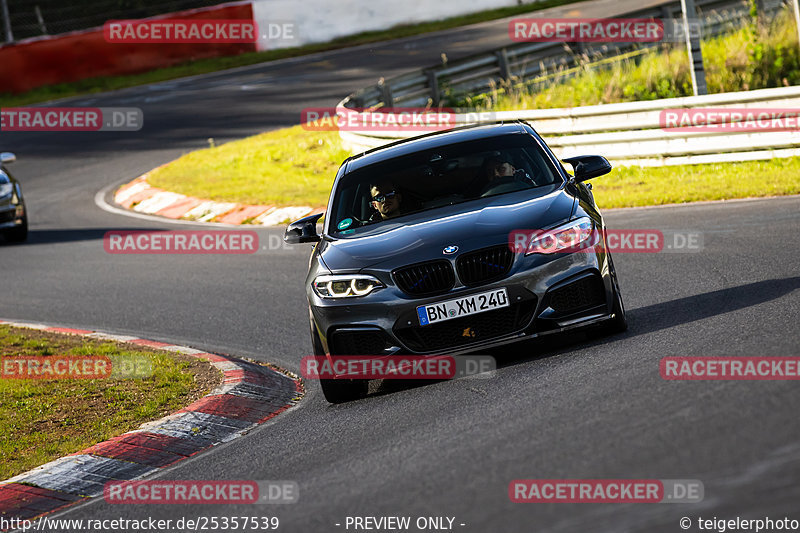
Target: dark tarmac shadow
[[641, 321]]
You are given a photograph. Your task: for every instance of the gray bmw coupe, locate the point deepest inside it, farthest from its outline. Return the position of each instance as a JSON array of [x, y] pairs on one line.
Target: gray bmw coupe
[[454, 242]]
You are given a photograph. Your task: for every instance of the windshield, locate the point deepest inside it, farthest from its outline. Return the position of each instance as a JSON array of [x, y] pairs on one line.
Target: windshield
[[438, 177]]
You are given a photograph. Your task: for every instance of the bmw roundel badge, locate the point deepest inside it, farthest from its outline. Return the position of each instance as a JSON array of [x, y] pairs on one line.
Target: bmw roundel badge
[[450, 250]]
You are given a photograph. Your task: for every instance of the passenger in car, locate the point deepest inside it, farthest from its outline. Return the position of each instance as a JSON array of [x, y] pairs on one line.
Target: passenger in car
[[496, 167], [499, 167]]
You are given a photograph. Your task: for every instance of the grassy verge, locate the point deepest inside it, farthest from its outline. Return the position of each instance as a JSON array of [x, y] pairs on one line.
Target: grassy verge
[[289, 166], [204, 66], [754, 56], [41, 420], [293, 166], [639, 186]]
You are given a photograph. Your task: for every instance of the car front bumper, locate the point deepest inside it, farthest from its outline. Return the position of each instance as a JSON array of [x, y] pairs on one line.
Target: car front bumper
[[10, 216], [547, 294]]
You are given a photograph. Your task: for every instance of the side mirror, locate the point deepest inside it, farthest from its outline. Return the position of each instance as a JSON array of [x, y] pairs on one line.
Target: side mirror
[[7, 157], [587, 167], [303, 230]]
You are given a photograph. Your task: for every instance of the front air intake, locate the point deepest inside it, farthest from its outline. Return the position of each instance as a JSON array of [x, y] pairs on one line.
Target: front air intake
[[484, 266], [425, 279]]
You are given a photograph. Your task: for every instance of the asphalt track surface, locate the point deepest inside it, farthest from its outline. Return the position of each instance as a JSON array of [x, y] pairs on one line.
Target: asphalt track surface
[[568, 407]]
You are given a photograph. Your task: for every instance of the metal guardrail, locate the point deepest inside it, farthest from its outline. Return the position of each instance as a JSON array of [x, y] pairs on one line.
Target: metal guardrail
[[627, 133], [523, 62], [632, 132]]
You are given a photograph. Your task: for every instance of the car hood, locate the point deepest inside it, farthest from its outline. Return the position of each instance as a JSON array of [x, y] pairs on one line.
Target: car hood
[[469, 226]]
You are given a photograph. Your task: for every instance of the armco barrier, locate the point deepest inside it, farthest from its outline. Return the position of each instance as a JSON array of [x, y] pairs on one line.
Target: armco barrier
[[86, 54], [628, 133], [631, 133], [531, 64]]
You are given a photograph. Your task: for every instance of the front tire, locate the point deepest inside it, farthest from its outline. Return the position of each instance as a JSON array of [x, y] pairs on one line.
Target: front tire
[[338, 390], [344, 390], [619, 323], [18, 234]]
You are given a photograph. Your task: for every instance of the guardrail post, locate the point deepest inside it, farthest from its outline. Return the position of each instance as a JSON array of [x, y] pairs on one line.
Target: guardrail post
[[669, 22], [502, 62], [693, 46], [40, 19], [7, 21], [433, 83], [386, 93], [796, 5]]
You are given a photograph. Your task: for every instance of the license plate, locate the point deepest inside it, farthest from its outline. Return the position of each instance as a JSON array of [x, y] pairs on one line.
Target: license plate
[[468, 305]]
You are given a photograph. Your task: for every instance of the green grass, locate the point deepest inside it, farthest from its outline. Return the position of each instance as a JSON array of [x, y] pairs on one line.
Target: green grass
[[293, 166], [289, 166], [754, 56], [639, 186], [203, 66], [41, 420]]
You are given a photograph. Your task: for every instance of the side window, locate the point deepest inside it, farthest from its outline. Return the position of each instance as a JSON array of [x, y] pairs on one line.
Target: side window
[[537, 167]]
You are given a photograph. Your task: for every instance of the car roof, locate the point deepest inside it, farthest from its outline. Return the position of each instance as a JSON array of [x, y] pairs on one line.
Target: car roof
[[434, 140]]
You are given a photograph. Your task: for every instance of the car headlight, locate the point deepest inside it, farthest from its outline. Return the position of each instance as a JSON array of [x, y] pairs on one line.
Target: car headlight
[[346, 285], [6, 190], [567, 238]]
